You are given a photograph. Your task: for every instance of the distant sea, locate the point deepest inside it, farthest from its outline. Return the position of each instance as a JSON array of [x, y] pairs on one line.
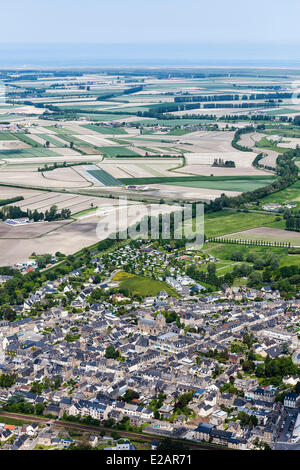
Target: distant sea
[[101, 55]]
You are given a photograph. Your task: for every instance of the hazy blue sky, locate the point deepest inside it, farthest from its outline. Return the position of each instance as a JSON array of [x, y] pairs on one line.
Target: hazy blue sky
[[131, 21], [114, 32]]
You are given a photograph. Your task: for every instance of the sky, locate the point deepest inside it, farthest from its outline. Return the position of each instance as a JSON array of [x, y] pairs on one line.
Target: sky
[[259, 29]]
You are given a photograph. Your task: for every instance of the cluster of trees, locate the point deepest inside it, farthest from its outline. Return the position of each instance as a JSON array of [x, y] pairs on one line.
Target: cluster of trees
[[259, 263], [219, 162], [211, 280], [292, 220], [253, 96], [271, 370], [239, 105], [37, 387], [230, 388], [221, 356], [14, 212], [181, 404], [53, 214], [243, 117], [6, 202], [17, 404], [7, 380], [201, 98], [84, 420], [210, 277], [60, 165], [172, 317], [157, 403], [247, 420], [130, 395], [112, 353], [43, 260], [134, 89]]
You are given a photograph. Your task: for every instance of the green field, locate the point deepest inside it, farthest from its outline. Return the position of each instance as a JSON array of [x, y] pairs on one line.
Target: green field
[[7, 136], [268, 144], [290, 194], [115, 151], [19, 153], [105, 129], [142, 286], [293, 132], [105, 178], [226, 183], [239, 185], [27, 140], [230, 221], [274, 112], [51, 139], [60, 130], [224, 252], [179, 132]]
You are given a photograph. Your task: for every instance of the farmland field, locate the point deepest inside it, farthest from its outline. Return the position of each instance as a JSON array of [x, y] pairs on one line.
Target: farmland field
[[104, 178], [41, 152], [159, 142], [269, 234], [116, 151], [105, 130], [227, 183], [227, 222]]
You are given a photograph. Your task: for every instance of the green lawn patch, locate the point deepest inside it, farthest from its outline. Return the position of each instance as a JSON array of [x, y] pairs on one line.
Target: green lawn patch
[[142, 286]]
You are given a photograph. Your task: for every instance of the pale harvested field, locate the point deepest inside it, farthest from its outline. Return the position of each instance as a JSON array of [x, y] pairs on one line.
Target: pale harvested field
[[37, 139], [6, 192], [26, 110], [72, 237], [41, 130], [67, 152], [134, 118], [32, 230], [41, 161], [200, 164], [289, 142], [13, 145], [43, 200], [64, 174], [185, 193], [250, 139], [96, 140], [138, 168], [266, 233], [44, 204], [34, 178]]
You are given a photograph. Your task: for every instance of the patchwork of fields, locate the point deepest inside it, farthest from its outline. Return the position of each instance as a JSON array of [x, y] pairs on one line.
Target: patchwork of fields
[[147, 137]]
